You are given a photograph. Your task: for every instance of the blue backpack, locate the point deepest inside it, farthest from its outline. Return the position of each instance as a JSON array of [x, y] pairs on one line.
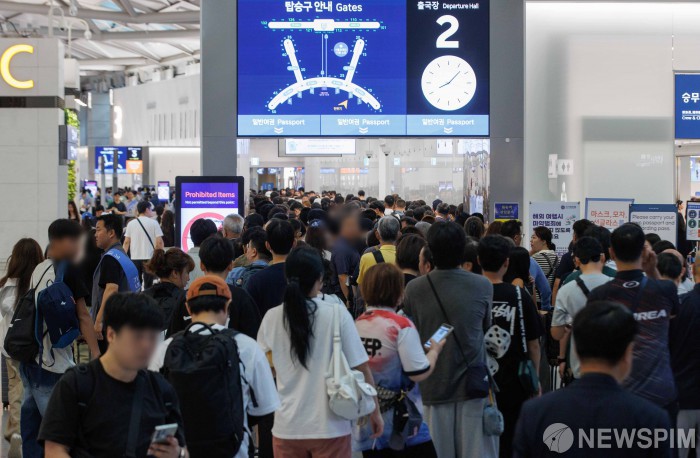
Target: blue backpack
[[57, 308]]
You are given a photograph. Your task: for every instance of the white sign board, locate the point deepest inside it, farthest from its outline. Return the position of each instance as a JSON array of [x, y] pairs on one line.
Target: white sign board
[[552, 166], [692, 220], [609, 213], [319, 147], [558, 217], [565, 167], [656, 219]]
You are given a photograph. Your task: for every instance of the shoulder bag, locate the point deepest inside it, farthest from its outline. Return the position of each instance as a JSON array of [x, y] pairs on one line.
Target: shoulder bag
[[349, 396], [527, 374], [477, 374]]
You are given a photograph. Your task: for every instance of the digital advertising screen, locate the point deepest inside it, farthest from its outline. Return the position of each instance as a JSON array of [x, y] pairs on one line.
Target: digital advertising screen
[[212, 198], [373, 68], [108, 153], [163, 190], [91, 186]]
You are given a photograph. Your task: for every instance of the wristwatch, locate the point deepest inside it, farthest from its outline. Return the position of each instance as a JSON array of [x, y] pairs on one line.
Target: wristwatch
[[561, 360]]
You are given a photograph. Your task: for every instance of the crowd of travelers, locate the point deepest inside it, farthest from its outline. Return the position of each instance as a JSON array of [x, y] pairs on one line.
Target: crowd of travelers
[[322, 325]]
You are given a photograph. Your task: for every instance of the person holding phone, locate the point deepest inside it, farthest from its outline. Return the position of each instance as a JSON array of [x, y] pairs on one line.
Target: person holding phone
[[113, 407], [398, 362]]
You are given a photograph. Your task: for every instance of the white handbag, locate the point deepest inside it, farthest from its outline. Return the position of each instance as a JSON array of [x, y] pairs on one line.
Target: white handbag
[[350, 397]]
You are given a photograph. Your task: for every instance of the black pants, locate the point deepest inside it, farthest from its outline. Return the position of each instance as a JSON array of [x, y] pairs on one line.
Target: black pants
[[264, 425], [145, 277], [424, 450]]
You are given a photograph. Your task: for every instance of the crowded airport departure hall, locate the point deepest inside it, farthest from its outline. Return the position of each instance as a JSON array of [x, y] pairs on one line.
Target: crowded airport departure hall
[[349, 228]]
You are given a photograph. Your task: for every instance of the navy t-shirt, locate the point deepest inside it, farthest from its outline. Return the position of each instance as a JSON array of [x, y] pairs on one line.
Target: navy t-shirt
[[565, 267], [651, 376], [345, 259], [685, 350], [267, 287]]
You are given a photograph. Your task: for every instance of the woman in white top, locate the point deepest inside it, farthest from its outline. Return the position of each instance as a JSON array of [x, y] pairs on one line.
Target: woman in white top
[[26, 255], [299, 336]]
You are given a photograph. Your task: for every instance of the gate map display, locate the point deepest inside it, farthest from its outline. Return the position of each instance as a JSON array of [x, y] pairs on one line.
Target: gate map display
[[363, 68]]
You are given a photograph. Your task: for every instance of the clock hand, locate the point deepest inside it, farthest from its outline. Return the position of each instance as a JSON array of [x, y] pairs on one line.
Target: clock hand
[[453, 78]]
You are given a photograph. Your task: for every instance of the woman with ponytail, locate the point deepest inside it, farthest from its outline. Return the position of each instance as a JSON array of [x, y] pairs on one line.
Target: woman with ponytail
[[299, 336], [173, 269]]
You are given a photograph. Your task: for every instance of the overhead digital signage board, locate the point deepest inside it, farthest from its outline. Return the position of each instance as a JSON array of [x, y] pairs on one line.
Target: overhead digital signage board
[[687, 105], [372, 68]]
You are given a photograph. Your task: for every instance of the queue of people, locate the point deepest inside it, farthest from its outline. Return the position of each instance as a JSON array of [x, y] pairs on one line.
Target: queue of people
[[327, 325]]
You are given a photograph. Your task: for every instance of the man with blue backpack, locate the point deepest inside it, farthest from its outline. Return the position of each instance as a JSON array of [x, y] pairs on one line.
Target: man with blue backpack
[[115, 273], [45, 324]]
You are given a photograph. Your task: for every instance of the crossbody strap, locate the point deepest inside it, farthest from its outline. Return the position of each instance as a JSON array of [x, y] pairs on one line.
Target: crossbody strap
[[336, 342], [582, 286], [447, 319], [522, 319], [135, 420], [146, 232]]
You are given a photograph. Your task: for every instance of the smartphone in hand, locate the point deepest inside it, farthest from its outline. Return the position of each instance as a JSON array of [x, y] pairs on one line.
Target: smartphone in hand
[[162, 432], [441, 334]]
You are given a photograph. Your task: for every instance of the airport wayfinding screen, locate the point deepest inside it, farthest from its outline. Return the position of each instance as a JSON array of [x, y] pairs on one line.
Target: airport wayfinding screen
[[358, 68]]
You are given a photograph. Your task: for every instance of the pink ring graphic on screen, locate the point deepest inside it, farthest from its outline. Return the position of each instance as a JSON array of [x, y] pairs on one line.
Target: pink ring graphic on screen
[[188, 226]]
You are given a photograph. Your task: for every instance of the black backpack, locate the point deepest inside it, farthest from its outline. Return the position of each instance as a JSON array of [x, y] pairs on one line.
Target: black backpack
[[205, 371], [21, 342], [168, 300]]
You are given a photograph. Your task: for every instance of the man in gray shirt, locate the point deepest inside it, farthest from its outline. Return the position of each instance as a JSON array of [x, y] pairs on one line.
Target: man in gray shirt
[[455, 420], [572, 297]]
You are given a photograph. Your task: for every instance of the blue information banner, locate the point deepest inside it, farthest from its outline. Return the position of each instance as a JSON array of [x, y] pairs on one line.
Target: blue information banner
[[505, 211], [373, 68], [687, 102]]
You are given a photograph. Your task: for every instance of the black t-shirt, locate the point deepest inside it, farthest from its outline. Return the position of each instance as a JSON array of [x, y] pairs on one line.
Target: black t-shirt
[[244, 316], [110, 272], [104, 423], [684, 343], [505, 313], [267, 287], [75, 280], [243, 313], [119, 206]]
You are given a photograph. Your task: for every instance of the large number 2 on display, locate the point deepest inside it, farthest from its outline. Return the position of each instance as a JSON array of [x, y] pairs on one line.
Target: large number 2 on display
[[442, 41]]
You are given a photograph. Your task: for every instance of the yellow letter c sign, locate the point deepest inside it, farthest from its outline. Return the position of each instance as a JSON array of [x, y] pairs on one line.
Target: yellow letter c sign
[[5, 60]]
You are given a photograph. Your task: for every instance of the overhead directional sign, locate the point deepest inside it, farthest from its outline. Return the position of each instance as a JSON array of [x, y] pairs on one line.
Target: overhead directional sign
[[363, 68]]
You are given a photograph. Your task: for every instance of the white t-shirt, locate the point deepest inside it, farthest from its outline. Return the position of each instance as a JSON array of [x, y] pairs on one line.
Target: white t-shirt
[[140, 248], [570, 301], [305, 413], [257, 375], [8, 298]]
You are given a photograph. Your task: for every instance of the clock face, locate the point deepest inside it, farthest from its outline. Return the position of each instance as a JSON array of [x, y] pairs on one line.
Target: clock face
[[448, 83]]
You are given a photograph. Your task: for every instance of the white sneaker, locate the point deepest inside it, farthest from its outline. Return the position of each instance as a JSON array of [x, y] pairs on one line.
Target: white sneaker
[[15, 446]]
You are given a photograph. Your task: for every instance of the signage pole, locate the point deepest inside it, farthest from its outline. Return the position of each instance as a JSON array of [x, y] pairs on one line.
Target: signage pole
[[115, 170], [103, 181]]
